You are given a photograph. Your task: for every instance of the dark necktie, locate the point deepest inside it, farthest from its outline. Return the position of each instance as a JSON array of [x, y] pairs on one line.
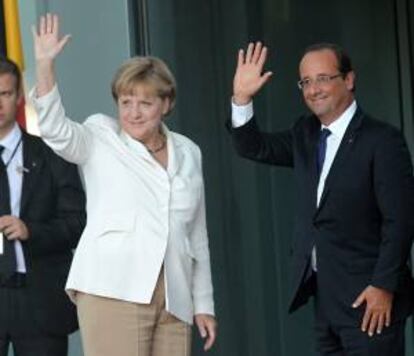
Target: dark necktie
[[8, 258], [320, 159]]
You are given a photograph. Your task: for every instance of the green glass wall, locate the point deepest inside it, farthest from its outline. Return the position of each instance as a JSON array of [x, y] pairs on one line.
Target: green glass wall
[[249, 206]]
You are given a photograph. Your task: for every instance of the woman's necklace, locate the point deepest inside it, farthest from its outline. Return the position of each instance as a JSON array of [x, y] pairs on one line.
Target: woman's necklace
[[160, 147]]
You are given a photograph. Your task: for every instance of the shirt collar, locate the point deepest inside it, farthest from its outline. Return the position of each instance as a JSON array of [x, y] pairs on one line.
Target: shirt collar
[[174, 155], [339, 126], [12, 139], [130, 142], [135, 144]]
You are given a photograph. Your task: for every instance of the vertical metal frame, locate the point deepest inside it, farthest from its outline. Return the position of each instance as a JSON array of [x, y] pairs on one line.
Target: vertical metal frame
[[405, 44], [139, 27]]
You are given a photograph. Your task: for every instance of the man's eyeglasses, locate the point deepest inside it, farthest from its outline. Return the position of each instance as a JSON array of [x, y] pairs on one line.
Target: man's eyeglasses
[[320, 80]]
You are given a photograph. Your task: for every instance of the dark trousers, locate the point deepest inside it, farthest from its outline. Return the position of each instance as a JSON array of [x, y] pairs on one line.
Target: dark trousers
[[339, 340], [18, 326]]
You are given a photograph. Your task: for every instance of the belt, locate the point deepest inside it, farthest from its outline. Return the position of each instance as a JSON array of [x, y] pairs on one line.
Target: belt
[[16, 280]]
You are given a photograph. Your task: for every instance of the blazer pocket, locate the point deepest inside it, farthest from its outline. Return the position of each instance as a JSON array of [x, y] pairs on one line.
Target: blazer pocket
[[186, 195], [118, 223]]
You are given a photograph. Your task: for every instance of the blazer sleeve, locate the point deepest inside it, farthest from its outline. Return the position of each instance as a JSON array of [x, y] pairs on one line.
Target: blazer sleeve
[[61, 230], [70, 140], [394, 190], [270, 148], [202, 282]]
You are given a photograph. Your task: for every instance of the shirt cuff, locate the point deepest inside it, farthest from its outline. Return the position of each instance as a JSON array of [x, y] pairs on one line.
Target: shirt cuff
[[241, 114], [47, 98]]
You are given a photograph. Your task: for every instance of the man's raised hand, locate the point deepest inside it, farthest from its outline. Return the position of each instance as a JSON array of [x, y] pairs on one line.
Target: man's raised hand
[[249, 77]]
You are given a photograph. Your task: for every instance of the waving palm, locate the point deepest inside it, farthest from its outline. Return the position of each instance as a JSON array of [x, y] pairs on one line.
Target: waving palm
[[47, 43], [248, 79]]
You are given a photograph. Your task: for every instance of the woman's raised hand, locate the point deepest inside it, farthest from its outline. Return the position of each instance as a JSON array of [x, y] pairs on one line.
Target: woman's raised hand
[[47, 44]]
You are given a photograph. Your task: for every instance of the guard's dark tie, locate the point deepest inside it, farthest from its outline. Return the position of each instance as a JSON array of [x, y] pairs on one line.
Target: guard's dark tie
[[8, 258], [320, 159]]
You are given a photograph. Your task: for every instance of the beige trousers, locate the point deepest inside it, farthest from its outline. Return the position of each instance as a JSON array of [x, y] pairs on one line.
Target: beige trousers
[[111, 327]]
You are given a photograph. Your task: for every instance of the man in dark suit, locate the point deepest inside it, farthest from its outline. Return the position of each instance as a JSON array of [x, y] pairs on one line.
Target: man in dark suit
[[354, 190], [41, 219]]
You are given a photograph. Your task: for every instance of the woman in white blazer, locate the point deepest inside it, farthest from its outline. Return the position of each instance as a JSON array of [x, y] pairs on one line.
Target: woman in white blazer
[[141, 272]]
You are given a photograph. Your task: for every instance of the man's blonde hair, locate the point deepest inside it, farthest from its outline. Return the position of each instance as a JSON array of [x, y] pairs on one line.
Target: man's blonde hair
[[145, 70]]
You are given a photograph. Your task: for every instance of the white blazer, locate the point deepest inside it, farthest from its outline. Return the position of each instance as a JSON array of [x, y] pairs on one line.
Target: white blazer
[[139, 215]]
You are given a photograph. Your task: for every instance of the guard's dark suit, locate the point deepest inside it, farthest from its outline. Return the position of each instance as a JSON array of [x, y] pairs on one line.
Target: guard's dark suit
[[52, 207]]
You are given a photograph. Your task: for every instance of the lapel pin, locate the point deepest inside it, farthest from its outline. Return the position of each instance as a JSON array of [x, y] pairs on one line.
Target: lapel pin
[[21, 170]]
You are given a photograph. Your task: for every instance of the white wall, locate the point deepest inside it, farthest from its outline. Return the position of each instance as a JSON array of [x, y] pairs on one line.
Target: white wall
[[100, 43]]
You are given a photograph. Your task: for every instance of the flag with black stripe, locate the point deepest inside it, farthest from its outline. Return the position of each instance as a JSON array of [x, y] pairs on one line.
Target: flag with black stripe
[[3, 45]]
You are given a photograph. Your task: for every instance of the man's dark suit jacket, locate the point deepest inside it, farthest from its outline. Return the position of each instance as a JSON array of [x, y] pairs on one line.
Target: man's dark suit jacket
[[52, 207], [361, 228]]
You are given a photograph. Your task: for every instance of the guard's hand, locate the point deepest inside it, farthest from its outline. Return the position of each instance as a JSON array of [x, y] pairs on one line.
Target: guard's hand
[[47, 42], [207, 326], [377, 310], [13, 228], [249, 77]]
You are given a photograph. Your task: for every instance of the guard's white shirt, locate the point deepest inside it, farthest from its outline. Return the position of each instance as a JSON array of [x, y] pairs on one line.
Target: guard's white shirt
[[12, 144]]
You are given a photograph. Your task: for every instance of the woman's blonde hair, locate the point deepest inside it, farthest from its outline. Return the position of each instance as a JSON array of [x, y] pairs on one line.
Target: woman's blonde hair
[[150, 71]]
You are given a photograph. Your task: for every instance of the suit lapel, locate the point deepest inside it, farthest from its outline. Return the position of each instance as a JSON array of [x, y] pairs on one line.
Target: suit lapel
[[346, 146], [174, 153], [32, 165]]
